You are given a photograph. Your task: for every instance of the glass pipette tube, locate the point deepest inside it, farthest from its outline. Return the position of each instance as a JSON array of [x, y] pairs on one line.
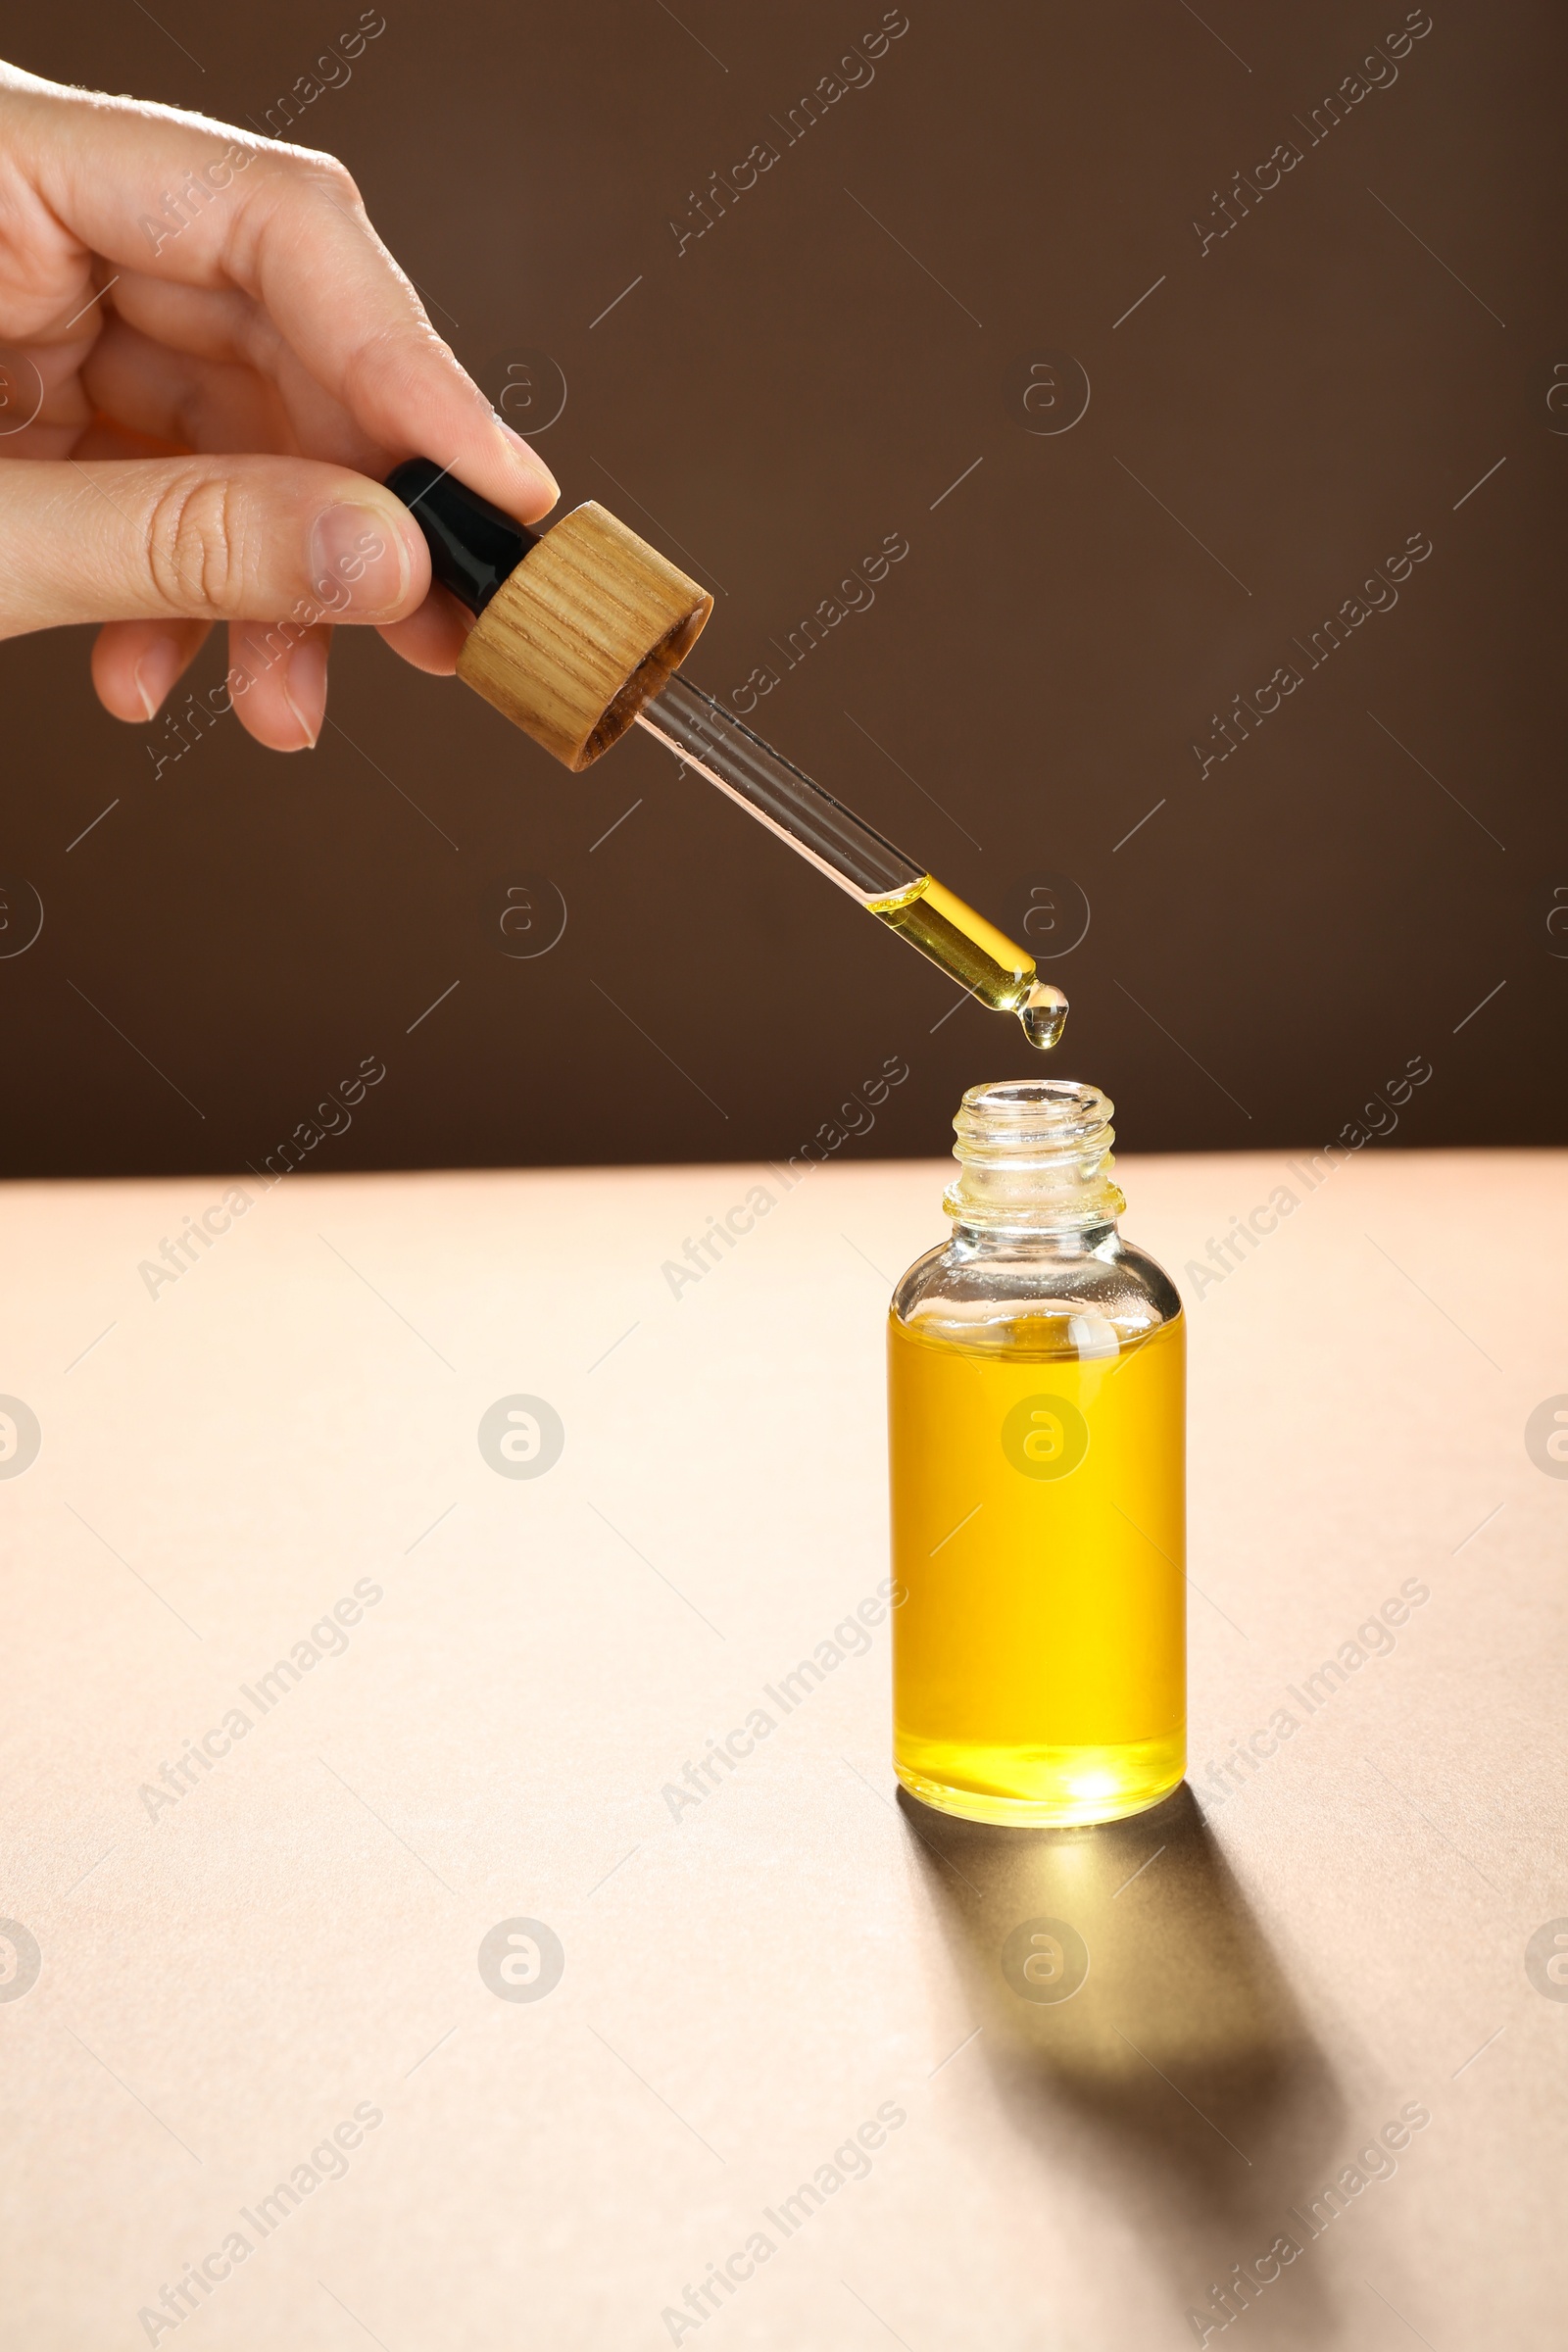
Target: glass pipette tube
[[901, 893], [477, 551]]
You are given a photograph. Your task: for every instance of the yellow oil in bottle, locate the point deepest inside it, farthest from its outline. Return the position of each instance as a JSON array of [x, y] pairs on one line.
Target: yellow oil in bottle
[[975, 954], [1038, 1539]]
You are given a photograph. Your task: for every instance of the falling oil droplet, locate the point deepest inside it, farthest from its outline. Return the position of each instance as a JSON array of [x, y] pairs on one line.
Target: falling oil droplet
[[1044, 1014]]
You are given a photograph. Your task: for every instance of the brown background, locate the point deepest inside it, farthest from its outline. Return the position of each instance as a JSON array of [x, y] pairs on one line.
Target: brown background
[[1268, 948]]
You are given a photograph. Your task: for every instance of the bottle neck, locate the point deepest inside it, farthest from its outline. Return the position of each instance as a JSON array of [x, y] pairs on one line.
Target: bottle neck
[[1063, 1242], [1034, 1167]]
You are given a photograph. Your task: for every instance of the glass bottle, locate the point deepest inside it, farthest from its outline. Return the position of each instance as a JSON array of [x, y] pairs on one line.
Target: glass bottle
[[1037, 1424]]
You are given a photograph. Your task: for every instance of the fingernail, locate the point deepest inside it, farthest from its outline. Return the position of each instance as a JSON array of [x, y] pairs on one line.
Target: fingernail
[[155, 673], [304, 687], [547, 484], [358, 563]]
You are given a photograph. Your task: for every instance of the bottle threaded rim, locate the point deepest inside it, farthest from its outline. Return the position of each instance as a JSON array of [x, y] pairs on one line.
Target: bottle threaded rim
[[1034, 1154]]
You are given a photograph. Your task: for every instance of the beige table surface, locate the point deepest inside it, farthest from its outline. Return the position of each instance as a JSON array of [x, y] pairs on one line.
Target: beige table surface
[[225, 1978]]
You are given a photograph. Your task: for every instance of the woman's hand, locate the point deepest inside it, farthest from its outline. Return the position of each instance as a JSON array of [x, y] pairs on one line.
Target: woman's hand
[[208, 360]]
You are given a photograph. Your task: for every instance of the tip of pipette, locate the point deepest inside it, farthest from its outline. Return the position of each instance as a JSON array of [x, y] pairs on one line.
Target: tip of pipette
[[1044, 1014]]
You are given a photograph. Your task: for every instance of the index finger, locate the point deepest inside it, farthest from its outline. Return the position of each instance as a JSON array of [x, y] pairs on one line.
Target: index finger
[[177, 196]]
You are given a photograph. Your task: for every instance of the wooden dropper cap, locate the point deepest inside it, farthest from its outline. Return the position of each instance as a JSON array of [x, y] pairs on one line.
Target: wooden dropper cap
[[574, 629]]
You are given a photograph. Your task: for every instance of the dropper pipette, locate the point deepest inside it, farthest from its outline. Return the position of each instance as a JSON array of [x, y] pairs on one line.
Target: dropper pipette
[[579, 632], [880, 878]]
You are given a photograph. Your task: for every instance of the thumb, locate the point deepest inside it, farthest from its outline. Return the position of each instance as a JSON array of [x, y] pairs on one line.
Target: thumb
[[203, 538]]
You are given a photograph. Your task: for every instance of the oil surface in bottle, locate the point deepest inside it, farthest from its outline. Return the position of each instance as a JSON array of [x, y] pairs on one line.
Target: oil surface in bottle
[[1039, 1536]]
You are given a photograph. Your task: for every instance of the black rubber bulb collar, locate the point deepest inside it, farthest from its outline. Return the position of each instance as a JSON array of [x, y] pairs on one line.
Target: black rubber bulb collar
[[473, 547]]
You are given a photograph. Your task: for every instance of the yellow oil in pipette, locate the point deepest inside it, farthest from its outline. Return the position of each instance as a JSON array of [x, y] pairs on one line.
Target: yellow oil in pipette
[[851, 854], [553, 666], [975, 954]]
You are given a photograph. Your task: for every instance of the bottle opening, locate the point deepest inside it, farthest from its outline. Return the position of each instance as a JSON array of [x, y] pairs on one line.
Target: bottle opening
[[1034, 1154], [1049, 1101]]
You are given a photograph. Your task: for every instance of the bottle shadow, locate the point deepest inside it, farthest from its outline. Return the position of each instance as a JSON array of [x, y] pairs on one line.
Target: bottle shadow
[[1127, 1993]]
